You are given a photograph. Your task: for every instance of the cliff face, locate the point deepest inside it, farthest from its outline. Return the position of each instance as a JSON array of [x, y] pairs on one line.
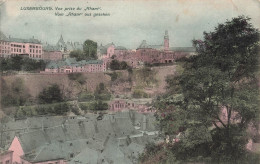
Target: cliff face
[[34, 83], [125, 83]]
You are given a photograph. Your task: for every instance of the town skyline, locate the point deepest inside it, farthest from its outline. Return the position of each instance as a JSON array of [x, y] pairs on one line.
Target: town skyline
[[184, 21]]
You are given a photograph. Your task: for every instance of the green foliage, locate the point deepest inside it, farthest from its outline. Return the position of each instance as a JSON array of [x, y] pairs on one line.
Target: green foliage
[[78, 54], [90, 49], [50, 94], [145, 77], [140, 94], [113, 76], [221, 77], [95, 105], [101, 88], [86, 97], [77, 77], [117, 65], [14, 94], [103, 97], [48, 109], [19, 63]]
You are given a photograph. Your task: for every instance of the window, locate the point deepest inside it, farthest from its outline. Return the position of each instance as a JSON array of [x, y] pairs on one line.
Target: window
[[7, 162], [23, 46], [71, 144], [71, 155]]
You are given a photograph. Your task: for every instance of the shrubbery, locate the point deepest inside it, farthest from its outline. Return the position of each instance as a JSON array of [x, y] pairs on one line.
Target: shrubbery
[[51, 94], [53, 109], [117, 65], [15, 94], [19, 63], [77, 77], [140, 94], [96, 105], [86, 97]]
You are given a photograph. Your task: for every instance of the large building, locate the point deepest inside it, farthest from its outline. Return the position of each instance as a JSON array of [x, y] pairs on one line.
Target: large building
[[51, 53], [70, 65], [67, 47], [145, 53], [15, 47]]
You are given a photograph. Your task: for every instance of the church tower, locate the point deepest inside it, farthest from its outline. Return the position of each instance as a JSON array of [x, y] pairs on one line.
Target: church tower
[[166, 41]]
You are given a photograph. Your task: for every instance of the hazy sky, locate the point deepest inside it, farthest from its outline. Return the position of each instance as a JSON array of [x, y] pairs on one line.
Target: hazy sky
[[129, 22]]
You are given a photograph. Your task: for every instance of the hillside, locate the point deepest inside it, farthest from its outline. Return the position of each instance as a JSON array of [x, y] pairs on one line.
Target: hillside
[[148, 81]]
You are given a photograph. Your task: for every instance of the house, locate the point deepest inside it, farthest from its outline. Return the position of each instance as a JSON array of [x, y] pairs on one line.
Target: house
[[67, 139], [70, 65], [107, 51], [145, 53], [139, 105], [6, 157], [16, 46], [51, 53]]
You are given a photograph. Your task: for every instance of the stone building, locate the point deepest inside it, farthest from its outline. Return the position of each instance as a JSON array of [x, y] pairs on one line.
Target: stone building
[[70, 65], [51, 53], [16, 47], [145, 53]]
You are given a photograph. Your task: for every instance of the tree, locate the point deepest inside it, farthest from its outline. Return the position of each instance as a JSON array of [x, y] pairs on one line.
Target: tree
[[115, 65], [222, 78], [51, 94], [78, 54], [90, 49]]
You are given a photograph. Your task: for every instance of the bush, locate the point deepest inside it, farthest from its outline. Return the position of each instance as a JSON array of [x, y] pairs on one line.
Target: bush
[[113, 76], [51, 94], [77, 77], [99, 105], [104, 97], [19, 63], [140, 94], [56, 109], [117, 65], [14, 95], [86, 97], [84, 106]]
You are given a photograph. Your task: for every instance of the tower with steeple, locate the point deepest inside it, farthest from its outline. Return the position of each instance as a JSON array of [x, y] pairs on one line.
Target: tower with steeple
[[166, 41], [61, 44]]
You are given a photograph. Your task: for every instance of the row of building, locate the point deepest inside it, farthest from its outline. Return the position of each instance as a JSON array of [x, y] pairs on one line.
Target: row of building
[[71, 65], [116, 138], [35, 49], [144, 54], [58, 53]]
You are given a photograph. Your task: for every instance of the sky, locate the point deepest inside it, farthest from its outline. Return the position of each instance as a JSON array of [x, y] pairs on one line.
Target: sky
[[129, 22]]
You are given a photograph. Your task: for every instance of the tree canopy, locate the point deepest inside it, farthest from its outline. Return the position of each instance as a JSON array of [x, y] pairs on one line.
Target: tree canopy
[[215, 98], [90, 49], [51, 94]]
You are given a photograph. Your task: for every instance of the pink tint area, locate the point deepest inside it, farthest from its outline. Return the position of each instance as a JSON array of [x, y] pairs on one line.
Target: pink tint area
[[17, 150]]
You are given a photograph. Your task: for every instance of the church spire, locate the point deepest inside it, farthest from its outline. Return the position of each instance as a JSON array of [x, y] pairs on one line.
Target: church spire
[[166, 41], [166, 36]]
